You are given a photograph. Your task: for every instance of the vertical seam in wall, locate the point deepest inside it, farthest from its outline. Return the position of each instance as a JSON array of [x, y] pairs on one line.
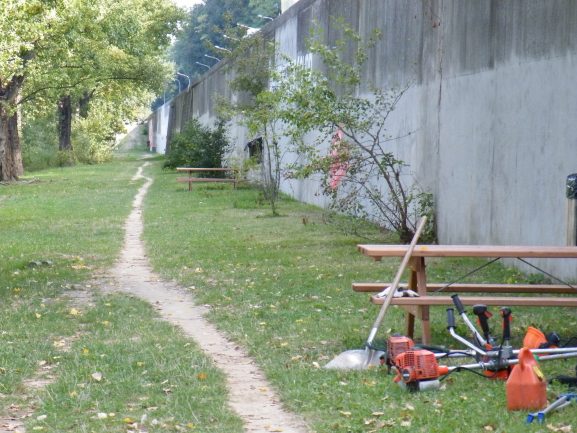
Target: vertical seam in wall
[[440, 50]]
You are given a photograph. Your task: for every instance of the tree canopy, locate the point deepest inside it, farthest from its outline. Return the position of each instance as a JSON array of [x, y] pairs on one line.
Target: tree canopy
[[73, 48], [209, 24]]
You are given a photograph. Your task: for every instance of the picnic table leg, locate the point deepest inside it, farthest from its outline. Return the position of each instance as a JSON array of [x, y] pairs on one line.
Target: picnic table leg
[[410, 317], [421, 277], [410, 325], [418, 283], [425, 323]]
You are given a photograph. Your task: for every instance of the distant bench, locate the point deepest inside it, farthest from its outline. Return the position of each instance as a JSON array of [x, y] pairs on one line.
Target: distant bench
[[191, 179]]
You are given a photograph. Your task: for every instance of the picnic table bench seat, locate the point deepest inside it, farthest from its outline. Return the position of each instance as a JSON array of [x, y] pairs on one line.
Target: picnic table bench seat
[[549, 289], [520, 301]]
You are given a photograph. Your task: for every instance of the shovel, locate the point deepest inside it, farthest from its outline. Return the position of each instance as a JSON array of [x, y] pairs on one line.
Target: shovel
[[361, 359]]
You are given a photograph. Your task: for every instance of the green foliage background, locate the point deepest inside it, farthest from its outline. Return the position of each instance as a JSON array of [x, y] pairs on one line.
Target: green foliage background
[[207, 24], [198, 146], [40, 143]]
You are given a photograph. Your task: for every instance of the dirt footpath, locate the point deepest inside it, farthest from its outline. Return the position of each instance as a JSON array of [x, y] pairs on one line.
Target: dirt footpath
[[251, 396]]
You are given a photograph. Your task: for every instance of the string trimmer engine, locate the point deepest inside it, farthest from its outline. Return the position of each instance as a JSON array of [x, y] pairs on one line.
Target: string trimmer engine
[[397, 344], [418, 370]]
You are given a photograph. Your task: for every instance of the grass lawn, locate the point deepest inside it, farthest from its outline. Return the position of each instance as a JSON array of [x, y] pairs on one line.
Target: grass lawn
[[279, 286], [109, 364]]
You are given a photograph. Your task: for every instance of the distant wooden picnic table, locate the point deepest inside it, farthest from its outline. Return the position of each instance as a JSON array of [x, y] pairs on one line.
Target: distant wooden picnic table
[[193, 179]]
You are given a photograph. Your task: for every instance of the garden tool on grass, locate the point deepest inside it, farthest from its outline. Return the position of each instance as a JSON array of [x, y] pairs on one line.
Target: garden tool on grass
[[361, 359], [399, 293], [563, 401]]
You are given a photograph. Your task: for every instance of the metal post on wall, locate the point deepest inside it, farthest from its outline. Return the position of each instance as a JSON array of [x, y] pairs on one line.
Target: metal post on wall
[[572, 209]]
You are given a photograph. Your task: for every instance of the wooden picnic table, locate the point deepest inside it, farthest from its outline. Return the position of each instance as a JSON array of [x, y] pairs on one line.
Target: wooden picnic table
[[418, 307], [191, 179]]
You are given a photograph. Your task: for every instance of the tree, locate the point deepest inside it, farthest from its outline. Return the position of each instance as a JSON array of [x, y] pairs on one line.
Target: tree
[[359, 171], [116, 55], [259, 108], [23, 28], [58, 50], [207, 26]]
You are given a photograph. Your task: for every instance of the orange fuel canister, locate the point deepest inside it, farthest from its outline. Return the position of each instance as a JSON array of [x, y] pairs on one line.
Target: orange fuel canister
[[526, 387], [534, 338]]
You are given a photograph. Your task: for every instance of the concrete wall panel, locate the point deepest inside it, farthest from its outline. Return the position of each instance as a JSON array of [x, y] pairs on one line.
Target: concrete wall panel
[[490, 106]]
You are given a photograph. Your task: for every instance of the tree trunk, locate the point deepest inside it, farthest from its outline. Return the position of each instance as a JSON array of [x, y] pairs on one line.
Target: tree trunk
[[11, 167], [84, 104], [65, 123]]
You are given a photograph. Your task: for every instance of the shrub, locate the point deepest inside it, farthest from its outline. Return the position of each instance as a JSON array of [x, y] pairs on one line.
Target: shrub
[[198, 146]]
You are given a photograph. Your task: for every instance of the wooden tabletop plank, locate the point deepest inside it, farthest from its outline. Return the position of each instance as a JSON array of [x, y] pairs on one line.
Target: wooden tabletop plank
[[385, 250]]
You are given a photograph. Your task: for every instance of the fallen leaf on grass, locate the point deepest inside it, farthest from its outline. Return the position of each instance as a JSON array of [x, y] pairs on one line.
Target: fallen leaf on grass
[[97, 376], [436, 403], [345, 413], [202, 376], [378, 413]]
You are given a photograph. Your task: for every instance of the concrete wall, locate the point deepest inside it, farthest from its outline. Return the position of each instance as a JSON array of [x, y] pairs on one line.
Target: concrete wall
[[490, 107], [158, 128]]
